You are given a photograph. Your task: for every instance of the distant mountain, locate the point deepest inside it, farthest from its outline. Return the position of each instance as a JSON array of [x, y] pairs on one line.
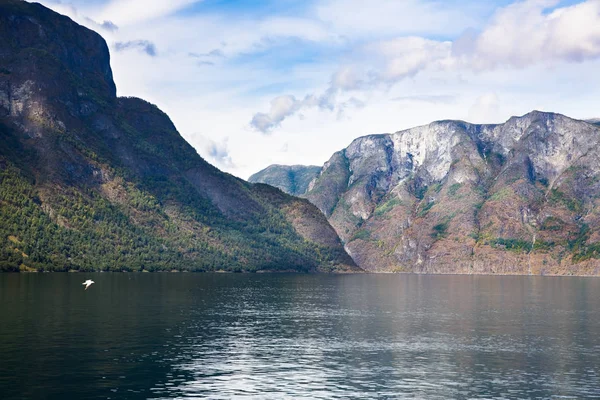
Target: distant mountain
[[292, 179], [90, 181], [452, 197], [594, 121]]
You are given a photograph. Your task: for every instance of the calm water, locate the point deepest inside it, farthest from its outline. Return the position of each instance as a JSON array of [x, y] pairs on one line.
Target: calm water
[[298, 336]]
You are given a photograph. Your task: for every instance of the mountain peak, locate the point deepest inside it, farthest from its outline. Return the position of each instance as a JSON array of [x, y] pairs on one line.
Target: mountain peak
[[89, 181], [536, 115], [454, 197], [52, 37]]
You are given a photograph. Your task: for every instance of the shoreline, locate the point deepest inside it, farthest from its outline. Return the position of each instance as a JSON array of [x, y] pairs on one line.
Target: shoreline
[[291, 272]]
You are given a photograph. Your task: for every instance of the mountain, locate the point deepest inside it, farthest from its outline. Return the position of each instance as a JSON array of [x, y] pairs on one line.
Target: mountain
[[521, 197], [292, 179], [594, 121], [92, 181]]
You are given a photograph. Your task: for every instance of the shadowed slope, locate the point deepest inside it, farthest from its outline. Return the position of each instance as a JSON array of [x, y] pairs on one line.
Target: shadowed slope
[[92, 181]]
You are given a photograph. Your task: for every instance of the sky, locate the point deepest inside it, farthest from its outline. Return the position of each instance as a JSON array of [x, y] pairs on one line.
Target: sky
[[253, 83]]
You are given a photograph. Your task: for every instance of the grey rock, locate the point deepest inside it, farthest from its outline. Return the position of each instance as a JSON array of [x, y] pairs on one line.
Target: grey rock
[[452, 196]]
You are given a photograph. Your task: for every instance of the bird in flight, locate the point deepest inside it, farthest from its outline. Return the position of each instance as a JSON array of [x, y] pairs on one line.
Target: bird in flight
[[88, 283]]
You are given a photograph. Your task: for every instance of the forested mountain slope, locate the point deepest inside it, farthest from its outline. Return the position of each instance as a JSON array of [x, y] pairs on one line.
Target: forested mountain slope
[[90, 181]]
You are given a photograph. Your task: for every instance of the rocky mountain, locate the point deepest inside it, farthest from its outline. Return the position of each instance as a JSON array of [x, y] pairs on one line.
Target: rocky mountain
[[521, 197], [292, 179], [91, 181]]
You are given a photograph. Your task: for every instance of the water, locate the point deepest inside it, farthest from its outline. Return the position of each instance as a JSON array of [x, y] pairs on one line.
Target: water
[[227, 336]]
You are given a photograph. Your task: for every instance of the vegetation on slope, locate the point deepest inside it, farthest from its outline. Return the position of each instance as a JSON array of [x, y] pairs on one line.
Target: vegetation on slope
[[515, 198], [89, 181]]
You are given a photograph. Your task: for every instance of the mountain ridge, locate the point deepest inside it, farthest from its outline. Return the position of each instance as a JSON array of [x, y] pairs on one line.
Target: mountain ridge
[[91, 181], [453, 197]]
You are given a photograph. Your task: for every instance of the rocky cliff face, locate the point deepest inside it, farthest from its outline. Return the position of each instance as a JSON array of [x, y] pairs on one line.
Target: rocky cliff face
[[451, 197], [292, 179], [92, 181]]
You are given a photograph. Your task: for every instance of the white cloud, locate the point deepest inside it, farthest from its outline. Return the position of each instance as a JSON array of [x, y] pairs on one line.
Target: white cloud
[[287, 105], [523, 34], [405, 57], [519, 35], [281, 107], [427, 98], [126, 12], [397, 59], [295, 27], [143, 45], [371, 19], [216, 152], [486, 109], [348, 77]]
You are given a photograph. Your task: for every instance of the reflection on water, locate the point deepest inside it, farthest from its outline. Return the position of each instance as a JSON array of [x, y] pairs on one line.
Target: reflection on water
[[299, 336]]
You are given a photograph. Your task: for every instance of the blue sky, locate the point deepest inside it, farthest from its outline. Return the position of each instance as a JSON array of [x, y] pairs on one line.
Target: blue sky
[[252, 83]]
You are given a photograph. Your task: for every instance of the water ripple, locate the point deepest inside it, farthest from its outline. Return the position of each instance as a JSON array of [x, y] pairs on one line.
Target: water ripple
[[303, 337]]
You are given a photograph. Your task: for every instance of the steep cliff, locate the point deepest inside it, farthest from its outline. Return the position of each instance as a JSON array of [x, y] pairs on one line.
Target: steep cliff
[[452, 197], [91, 181]]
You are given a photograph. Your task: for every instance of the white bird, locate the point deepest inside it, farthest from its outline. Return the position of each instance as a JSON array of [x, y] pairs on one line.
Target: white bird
[[88, 283]]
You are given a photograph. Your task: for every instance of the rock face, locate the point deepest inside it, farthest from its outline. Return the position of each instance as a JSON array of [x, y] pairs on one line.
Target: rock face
[[292, 179], [522, 197], [91, 181]]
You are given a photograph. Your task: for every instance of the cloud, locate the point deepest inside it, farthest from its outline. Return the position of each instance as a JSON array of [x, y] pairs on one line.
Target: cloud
[[401, 58], [109, 26], [143, 45], [296, 27], [352, 18], [519, 35], [486, 109], [207, 59], [127, 12], [285, 106], [427, 98], [348, 78], [529, 32], [216, 151], [352, 102], [405, 57], [215, 53], [212, 53], [388, 61], [281, 108]]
